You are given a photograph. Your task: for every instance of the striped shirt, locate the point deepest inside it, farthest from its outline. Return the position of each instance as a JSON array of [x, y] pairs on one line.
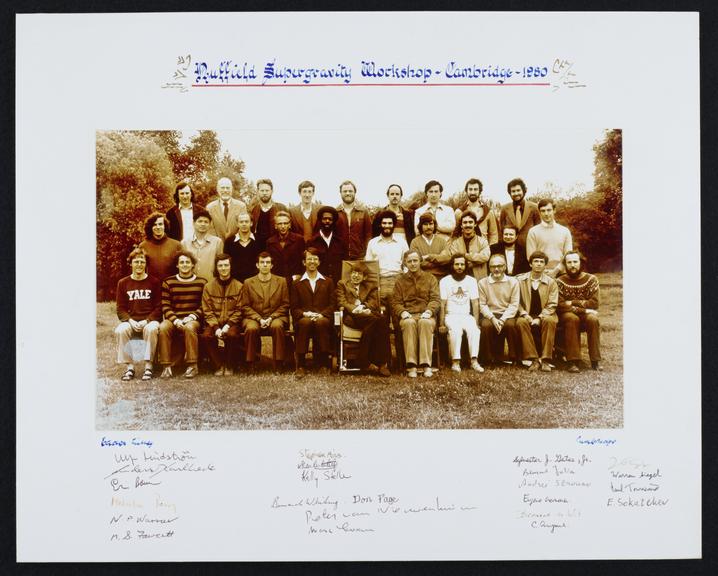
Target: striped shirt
[[182, 297]]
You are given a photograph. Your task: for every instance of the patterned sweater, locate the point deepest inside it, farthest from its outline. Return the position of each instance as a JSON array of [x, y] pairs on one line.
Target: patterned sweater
[[582, 292], [182, 297]]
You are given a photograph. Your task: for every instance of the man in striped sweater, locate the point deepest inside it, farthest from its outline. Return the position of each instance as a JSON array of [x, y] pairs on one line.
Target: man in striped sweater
[[182, 309]]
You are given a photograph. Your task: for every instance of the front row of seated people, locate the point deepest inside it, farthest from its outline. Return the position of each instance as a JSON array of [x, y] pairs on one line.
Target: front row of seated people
[[227, 315]]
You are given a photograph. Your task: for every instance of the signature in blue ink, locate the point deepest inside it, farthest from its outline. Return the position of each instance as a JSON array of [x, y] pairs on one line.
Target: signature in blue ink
[[593, 441], [119, 443]]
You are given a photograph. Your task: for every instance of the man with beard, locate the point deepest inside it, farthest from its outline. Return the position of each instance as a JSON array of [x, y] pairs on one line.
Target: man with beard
[[353, 222], [182, 310], [415, 303], [578, 300], [445, 219], [203, 245], [388, 251], [225, 209], [304, 215], [537, 313], [328, 244], [286, 248], [404, 227], [265, 306], [181, 215], [472, 244], [516, 262], [485, 218], [433, 248], [362, 310], [222, 315], [460, 312], [499, 298], [139, 309], [312, 299], [242, 248], [263, 213], [550, 237], [521, 213]]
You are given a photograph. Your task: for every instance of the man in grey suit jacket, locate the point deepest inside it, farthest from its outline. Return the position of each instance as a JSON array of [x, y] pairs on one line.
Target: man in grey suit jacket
[[225, 209], [520, 213]]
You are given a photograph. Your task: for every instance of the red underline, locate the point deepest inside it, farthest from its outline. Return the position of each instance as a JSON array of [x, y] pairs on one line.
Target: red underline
[[348, 85]]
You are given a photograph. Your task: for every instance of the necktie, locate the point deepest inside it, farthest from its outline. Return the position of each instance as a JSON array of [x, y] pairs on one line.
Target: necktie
[[226, 210], [518, 214]]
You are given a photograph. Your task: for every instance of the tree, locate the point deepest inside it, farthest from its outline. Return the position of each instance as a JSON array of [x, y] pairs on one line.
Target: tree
[[608, 187]]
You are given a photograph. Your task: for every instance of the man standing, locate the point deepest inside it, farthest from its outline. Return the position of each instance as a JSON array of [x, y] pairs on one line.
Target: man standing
[[304, 216], [549, 237], [181, 215], [328, 244], [388, 251], [139, 309], [485, 218], [312, 299], [222, 315], [264, 212], [225, 209], [415, 303], [265, 306], [204, 246], [520, 213], [460, 312], [445, 219], [434, 249], [160, 250], [242, 248], [353, 222], [578, 300], [537, 313], [182, 309], [516, 262], [362, 310], [404, 227], [473, 245], [286, 248], [499, 298]]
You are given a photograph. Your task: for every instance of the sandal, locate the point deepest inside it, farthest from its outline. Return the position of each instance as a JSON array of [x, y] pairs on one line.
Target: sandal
[[147, 374], [128, 375]]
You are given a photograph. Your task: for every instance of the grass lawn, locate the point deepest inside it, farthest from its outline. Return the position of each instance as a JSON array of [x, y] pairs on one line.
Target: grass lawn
[[503, 397]]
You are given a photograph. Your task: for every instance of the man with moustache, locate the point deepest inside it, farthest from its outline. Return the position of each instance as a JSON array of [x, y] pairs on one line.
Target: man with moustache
[[537, 318], [485, 218], [516, 262], [499, 299], [181, 215], [459, 315], [520, 213], [328, 244], [404, 227], [445, 219], [222, 316], [353, 222], [578, 300], [286, 248], [388, 251], [312, 303], [225, 209], [415, 303], [472, 244], [434, 249], [242, 248], [304, 215]]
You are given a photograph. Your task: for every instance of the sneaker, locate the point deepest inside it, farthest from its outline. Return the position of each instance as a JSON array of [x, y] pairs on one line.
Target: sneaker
[[412, 373], [191, 371], [429, 372], [545, 367], [596, 365], [299, 373], [534, 366], [573, 368], [167, 372], [219, 372], [384, 371], [476, 366], [456, 366]]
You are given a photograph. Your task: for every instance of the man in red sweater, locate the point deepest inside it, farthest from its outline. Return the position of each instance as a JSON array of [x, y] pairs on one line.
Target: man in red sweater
[[139, 310]]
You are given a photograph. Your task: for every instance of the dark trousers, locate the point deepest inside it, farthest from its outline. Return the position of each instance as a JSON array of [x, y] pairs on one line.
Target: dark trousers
[[491, 344], [374, 343], [320, 331], [226, 356], [277, 329], [535, 337], [572, 325]]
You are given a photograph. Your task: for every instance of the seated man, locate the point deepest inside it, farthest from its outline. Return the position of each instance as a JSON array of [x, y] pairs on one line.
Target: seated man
[[578, 299], [537, 313], [139, 309], [265, 306], [498, 303], [182, 309], [311, 300], [361, 305], [388, 251], [222, 314], [415, 303], [460, 312]]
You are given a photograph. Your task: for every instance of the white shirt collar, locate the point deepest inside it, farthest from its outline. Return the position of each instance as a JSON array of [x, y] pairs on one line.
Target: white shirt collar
[[305, 277]]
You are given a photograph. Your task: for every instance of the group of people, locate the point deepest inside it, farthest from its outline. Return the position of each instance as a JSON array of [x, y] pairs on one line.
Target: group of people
[[226, 274]]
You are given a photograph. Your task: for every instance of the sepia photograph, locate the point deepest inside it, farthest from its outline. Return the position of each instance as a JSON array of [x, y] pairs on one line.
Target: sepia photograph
[[316, 279]]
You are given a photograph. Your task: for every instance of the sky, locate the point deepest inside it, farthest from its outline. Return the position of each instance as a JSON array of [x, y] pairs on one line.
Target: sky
[[374, 159]]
